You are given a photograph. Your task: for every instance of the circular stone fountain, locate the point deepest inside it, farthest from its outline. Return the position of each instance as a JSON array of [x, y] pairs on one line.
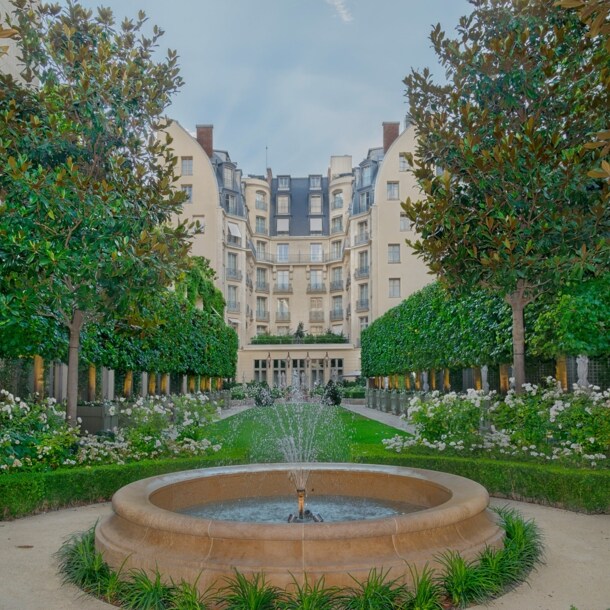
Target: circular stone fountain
[[147, 531]]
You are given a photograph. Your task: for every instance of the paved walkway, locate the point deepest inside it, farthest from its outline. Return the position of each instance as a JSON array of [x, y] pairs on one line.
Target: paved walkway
[[576, 570]]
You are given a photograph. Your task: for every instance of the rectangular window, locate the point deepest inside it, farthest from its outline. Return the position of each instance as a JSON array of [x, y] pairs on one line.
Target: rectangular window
[[393, 190], [337, 202], [283, 280], [261, 306], [188, 189], [315, 251], [336, 224], [315, 182], [403, 166], [335, 249], [227, 177], [363, 259], [405, 223], [394, 287], [260, 367], [365, 201], [261, 225], [393, 253], [364, 322], [337, 303], [336, 366], [261, 276], [315, 303], [261, 330], [232, 298], [232, 261], [367, 173], [315, 279], [337, 274], [231, 203], [261, 250], [283, 225], [186, 166], [261, 201], [315, 204], [283, 182], [282, 253], [283, 204], [363, 292], [315, 225], [283, 306]]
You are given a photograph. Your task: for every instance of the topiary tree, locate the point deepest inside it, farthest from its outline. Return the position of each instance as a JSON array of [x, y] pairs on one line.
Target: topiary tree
[[510, 202], [88, 192]]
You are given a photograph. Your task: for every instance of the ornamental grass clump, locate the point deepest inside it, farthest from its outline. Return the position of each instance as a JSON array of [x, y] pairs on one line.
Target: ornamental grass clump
[[309, 596], [377, 591], [254, 593]]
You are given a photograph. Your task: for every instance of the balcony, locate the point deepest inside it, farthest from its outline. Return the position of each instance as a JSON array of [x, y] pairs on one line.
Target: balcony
[[262, 316], [336, 228], [336, 285], [316, 315], [264, 256], [336, 314], [315, 288], [234, 241], [336, 204], [282, 316], [233, 307], [361, 273], [362, 305], [335, 255], [262, 287], [282, 289], [233, 274], [361, 238]]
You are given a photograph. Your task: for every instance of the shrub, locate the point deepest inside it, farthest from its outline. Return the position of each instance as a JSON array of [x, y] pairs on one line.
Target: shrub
[[332, 394]]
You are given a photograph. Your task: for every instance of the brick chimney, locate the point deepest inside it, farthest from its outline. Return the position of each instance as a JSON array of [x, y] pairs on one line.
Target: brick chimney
[[269, 176], [205, 137], [390, 133]]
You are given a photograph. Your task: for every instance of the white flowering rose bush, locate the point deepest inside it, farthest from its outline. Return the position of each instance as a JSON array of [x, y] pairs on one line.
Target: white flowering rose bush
[[35, 435], [545, 423]]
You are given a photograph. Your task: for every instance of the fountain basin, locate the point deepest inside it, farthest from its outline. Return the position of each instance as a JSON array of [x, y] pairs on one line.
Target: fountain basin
[[145, 531]]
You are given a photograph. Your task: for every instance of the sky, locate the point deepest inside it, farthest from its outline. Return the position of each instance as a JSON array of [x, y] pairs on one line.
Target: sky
[[288, 83]]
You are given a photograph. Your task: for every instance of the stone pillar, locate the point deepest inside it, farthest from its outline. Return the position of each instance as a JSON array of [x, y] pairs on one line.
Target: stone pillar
[[107, 384], [582, 371], [144, 385], [485, 378], [184, 388], [60, 381], [426, 386]]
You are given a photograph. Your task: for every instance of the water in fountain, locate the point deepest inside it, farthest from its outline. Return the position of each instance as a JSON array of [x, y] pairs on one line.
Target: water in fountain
[[306, 431]]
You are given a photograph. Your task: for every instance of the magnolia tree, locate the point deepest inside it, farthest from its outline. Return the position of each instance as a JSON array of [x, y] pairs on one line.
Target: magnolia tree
[[512, 195], [88, 188]]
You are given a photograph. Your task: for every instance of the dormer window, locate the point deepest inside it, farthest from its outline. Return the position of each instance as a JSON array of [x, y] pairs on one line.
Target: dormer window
[[283, 182], [227, 177], [367, 174], [315, 182]]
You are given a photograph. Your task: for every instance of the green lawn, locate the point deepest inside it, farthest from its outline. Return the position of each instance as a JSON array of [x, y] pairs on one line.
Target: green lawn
[[253, 435]]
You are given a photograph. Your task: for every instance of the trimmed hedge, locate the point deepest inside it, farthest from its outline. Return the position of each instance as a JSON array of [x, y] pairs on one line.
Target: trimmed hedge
[[570, 488], [32, 492], [574, 489]]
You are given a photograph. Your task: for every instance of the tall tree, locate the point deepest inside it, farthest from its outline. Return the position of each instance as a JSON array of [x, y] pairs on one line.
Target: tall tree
[[88, 193], [508, 202]]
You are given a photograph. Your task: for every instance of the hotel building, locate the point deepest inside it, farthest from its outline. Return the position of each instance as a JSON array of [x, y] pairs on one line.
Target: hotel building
[[326, 251]]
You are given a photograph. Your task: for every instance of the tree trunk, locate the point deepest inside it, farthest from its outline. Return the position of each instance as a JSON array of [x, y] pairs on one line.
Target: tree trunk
[[75, 327], [517, 302]]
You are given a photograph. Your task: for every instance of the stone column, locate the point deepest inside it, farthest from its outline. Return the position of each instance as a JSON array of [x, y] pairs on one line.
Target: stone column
[[144, 385], [485, 378], [582, 371], [426, 386]]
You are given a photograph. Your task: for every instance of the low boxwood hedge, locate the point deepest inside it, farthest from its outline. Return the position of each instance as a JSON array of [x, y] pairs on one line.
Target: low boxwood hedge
[[574, 489]]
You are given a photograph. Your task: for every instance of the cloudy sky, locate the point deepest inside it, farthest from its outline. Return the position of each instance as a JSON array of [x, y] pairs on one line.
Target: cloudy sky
[[304, 79]]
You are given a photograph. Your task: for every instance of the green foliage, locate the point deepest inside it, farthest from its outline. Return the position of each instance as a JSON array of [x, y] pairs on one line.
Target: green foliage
[[516, 207], [254, 593], [309, 596], [434, 328], [143, 593], [332, 393], [377, 591], [327, 337], [492, 572]]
